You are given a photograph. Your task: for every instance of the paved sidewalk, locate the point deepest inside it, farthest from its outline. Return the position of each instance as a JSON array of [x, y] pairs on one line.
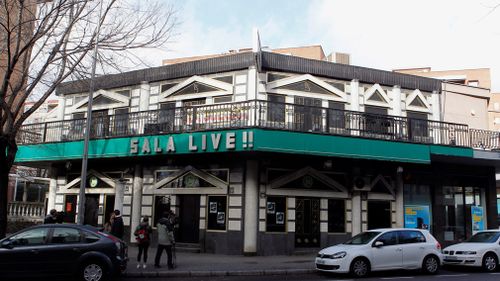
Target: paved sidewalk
[[195, 264]]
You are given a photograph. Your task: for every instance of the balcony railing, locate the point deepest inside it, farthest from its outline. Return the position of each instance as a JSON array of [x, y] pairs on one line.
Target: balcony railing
[[263, 114]]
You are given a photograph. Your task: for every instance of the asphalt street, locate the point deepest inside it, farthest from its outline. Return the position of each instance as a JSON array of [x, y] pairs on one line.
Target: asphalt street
[[444, 275]]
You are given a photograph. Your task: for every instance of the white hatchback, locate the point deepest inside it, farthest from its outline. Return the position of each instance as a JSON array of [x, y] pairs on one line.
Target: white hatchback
[[383, 249], [481, 250]]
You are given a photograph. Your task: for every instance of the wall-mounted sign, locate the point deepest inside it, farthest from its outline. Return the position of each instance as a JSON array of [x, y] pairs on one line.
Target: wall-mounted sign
[[417, 216], [477, 215], [93, 181]]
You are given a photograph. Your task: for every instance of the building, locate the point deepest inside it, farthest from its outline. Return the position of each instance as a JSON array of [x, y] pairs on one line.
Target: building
[[266, 153]]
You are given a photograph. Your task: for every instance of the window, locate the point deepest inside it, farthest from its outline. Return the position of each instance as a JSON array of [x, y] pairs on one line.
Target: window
[[473, 83], [90, 238], [418, 125], [194, 102], [276, 108], [407, 237], [275, 214], [165, 87], [125, 93], [336, 215], [121, 121], [30, 237], [376, 120], [336, 115], [307, 114], [217, 213], [226, 79], [223, 99], [63, 235], [389, 238]]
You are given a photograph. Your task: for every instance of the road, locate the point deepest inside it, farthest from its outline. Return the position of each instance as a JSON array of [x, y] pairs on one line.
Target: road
[[444, 275]]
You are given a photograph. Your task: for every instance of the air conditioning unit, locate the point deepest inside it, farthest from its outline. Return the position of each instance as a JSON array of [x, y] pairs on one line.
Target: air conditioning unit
[[361, 184]]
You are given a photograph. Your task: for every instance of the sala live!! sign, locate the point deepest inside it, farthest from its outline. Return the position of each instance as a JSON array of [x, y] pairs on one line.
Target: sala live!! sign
[[197, 142]]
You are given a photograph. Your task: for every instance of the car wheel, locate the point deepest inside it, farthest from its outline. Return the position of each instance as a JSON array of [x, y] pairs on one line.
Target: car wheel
[[92, 271], [490, 262], [360, 267], [430, 265]]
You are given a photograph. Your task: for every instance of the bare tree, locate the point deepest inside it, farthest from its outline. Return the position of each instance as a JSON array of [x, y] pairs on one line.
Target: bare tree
[[43, 43]]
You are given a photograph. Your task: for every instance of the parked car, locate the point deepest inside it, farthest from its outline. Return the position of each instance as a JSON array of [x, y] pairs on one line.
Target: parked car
[[61, 250], [383, 249], [481, 250]]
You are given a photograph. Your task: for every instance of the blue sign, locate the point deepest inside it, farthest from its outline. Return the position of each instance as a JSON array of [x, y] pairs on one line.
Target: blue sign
[[477, 218], [417, 216]]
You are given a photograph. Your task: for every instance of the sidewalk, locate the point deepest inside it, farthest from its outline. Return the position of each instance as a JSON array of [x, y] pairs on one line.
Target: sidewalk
[[195, 264]]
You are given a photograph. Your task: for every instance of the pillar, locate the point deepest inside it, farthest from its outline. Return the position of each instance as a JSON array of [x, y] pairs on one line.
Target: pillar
[[356, 213], [354, 106], [136, 201], [251, 208], [119, 194], [51, 202], [144, 92], [400, 222], [395, 96]]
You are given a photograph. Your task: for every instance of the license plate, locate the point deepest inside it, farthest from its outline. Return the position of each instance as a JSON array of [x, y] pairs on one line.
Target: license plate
[[320, 262], [451, 258]]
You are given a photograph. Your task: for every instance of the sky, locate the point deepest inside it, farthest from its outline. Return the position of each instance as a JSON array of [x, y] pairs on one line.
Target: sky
[[383, 34]]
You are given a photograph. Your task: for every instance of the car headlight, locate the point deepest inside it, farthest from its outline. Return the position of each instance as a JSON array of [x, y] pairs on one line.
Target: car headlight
[[467, 253], [339, 255]]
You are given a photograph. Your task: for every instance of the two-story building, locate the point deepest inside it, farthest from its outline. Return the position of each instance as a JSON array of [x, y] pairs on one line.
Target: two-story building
[[265, 153]]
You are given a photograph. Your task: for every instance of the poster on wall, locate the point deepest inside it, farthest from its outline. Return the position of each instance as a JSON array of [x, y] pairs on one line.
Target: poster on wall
[[477, 215], [280, 218], [213, 207], [417, 216], [271, 207], [221, 218]]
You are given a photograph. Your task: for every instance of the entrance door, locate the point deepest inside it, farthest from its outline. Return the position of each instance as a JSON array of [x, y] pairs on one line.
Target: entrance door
[[307, 226], [189, 219], [70, 209], [91, 209], [379, 214], [109, 207], [307, 114]]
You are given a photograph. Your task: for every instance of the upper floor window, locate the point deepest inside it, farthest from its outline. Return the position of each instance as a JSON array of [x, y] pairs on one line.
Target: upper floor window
[[223, 99]]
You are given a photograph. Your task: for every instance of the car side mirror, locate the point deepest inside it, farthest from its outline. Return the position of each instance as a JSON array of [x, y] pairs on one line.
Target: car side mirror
[[378, 244], [7, 244]]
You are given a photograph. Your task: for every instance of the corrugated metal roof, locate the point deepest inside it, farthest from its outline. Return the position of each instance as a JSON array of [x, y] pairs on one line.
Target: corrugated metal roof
[[278, 62], [266, 61]]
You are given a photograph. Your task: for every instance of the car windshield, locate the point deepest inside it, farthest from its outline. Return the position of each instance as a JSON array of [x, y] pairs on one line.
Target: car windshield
[[362, 238], [484, 237]]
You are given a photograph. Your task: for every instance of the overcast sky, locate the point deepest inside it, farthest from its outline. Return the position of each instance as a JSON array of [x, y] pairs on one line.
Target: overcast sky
[[385, 34]]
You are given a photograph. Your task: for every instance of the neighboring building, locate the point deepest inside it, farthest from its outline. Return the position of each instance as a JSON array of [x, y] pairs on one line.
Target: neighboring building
[[265, 153], [494, 112]]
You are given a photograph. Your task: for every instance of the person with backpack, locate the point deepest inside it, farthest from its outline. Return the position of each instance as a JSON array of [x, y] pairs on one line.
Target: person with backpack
[[143, 236], [166, 239]]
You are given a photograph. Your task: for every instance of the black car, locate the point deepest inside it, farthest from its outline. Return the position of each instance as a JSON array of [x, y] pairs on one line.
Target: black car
[[62, 250]]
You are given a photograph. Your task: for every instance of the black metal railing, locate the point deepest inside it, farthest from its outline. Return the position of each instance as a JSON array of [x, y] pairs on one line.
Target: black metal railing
[[263, 114]]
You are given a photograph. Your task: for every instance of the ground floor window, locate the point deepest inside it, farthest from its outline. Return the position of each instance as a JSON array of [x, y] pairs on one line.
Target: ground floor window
[[336, 215], [217, 216], [275, 214], [417, 206], [459, 205]]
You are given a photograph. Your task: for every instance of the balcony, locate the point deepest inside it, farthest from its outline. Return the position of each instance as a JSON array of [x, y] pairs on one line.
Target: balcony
[[264, 115]]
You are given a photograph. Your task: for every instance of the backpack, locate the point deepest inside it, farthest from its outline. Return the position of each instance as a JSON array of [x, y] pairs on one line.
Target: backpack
[[142, 235]]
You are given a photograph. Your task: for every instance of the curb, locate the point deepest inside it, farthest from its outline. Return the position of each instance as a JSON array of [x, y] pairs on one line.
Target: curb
[[151, 274]]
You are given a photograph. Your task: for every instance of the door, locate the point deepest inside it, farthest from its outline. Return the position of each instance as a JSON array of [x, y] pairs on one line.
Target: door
[[64, 249], [91, 209], [414, 248], [307, 114], [109, 207], [307, 225], [70, 209], [389, 255], [100, 123], [189, 219], [379, 214]]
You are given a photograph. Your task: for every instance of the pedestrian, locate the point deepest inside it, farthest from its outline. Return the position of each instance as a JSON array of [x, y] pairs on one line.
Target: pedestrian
[[109, 223], [51, 217], [166, 239], [143, 236], [117, 225]]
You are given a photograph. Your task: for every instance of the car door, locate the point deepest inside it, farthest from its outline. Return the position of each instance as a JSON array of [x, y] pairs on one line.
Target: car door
[[414, 247], [25, 255], [64, 248], [389, 255]]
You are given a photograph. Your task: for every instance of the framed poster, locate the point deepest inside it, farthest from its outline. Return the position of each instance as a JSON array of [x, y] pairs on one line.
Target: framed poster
[[221, 217], [417, 216], [271, 208], [280, 218], [477, 215], [216, 217], [213, 207], [275, 214]]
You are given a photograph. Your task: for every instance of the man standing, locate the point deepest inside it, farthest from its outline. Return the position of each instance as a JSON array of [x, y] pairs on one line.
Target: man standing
[[165, 238], [117, 225], [51, 217]]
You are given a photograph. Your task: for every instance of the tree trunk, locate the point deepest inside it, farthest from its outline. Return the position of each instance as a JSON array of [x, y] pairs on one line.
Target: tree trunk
[[8, 150]]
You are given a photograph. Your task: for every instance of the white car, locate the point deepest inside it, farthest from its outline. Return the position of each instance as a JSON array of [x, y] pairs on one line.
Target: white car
[[481, 250], [383, 249]]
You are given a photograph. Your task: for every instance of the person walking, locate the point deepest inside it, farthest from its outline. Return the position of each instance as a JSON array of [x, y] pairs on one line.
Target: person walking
[[166, 239], [143, 236], [51, 217], [117, 225]]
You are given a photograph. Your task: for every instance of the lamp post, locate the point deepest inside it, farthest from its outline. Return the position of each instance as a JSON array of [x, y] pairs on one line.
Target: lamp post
[[83, 176]]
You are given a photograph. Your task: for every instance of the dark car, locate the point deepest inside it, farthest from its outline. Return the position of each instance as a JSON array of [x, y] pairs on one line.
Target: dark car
[[62, 250]]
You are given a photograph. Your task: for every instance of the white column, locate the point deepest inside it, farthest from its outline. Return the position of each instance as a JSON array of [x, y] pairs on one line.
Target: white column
[[436, 112], [119, 194], [395, 96], [136, 201], [251, 207], [60, 108], [354, 106], [145, 89], [356, 213], [400, 222], [51, 204], [252, 83]]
